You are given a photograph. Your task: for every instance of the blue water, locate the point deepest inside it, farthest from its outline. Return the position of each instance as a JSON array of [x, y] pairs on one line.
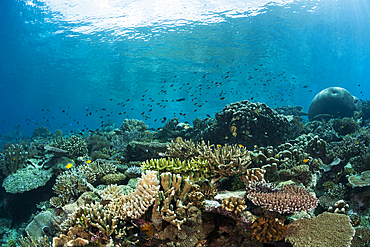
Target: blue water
[[61, 60]]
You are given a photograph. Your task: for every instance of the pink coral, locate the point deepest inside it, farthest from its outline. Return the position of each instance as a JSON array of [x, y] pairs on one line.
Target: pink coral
[[289, 199]]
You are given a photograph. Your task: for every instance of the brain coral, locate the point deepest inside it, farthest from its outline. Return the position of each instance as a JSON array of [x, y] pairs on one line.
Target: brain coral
[[251, 124], [335, 102]]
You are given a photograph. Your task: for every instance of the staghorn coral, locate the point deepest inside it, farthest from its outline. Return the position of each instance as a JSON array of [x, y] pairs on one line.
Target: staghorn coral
[[326, 229], [95, 222], [184, 150], [194, 169], [289, 199], [216, 162], [268, 229], [30, 241]]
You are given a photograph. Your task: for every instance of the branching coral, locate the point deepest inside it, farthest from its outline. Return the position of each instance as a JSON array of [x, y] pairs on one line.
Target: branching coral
[[95, 222], [15, 158], [134, 204], [253, 175], [234, 204], [289, 199], [216, 162], [268, 229], [98, 169], [70, 184], [74, 145]]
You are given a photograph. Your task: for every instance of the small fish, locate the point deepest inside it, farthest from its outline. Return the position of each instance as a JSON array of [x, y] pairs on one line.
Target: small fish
[[88, 162], [240, 145], [69, 165], [305, 160], [218, 145]]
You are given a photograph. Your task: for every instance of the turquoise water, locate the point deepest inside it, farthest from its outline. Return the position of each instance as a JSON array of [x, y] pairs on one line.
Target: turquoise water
[[85, 66], [79, 58]]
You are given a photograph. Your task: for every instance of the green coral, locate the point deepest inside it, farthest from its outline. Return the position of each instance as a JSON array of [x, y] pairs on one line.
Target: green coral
[[195, 168]]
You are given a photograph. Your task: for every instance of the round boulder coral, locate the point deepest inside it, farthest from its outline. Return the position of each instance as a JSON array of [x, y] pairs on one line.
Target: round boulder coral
[[333, 102]]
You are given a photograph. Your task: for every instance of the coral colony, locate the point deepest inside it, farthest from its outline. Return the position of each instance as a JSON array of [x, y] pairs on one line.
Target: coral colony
[[251, 176]]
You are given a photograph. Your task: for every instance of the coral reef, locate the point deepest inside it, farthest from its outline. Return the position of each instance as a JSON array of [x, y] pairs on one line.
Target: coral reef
[[133, 205], [251, 124], [360, 181], [334, 101], [340, 207], [26, 179], [41, 132], [74, 146], [268, 229], [133, 124], [326, 229], [289, 199], [15, 156]]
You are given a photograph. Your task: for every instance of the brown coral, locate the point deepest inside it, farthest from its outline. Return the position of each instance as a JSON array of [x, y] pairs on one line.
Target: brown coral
[[254, 174], [234, 204], [289, 199], [327, 229], [268, 229]]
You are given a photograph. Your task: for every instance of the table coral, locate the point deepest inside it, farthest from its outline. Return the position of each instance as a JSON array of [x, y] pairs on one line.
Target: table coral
[[289, 199], [326, 229], [26, 180], [360, 181]]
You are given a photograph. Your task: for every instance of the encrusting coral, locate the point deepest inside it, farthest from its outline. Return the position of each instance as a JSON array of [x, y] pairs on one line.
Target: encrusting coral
[[288, 199], [326, 229]]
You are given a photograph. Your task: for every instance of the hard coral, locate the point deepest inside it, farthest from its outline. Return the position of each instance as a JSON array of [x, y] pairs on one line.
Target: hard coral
[[327, 229], [251, 123], [289, 199], [268, 229]]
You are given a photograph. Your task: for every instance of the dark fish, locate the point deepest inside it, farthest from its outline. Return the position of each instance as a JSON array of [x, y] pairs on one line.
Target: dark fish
[[182, 99], [305, 86]]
